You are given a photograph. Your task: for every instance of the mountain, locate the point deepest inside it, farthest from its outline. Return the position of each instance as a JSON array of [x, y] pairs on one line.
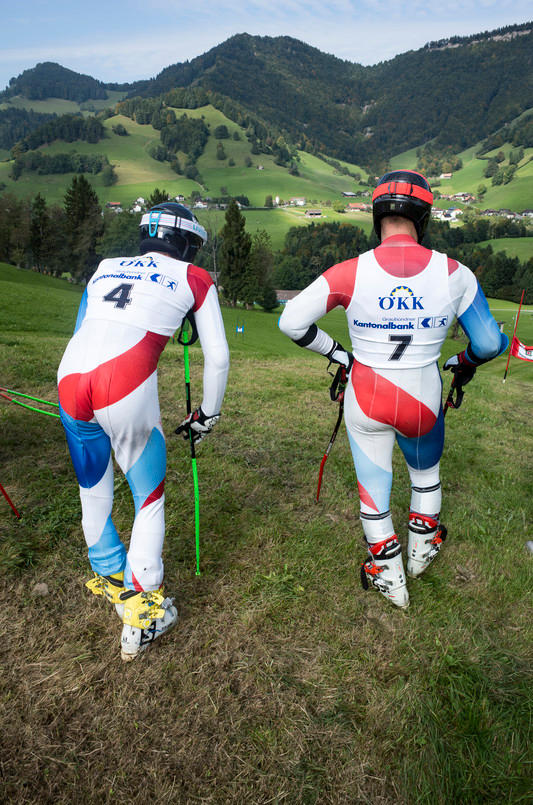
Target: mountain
[[51, 80], [455, 92]]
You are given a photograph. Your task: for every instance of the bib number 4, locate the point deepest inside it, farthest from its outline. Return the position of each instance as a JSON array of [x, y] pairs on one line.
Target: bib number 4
[[402, 342], [120, 296]]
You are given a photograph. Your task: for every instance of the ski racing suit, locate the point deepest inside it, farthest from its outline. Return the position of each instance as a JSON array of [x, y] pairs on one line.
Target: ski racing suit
[[108, 398], [400, 299]]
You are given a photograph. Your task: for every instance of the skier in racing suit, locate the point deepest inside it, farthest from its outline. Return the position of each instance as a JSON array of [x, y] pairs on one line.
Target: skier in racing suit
[[400, 299], [108, 398]]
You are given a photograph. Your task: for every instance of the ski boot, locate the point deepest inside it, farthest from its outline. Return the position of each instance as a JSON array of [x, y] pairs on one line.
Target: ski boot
[[109, 586], [426, 536], [384, 571], [146, 616]]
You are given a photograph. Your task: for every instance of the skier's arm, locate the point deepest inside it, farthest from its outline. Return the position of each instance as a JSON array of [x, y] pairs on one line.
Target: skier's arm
[[485, 339], [299, 317], [212, 336]]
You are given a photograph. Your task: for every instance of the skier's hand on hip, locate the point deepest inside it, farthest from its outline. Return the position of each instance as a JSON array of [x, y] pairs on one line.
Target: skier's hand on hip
[[338, 354], [463, 371], [198, 424]]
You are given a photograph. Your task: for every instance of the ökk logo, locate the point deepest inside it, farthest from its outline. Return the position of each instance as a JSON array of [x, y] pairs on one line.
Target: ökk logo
[[401, 298]]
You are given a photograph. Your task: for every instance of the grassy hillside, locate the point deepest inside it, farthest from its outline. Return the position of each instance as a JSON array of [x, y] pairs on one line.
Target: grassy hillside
[[517, 195], [138, 173], [60, 106], [283, 680], [514, 247]]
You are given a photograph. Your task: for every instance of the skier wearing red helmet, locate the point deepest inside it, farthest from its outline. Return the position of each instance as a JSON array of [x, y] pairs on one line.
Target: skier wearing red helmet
[[400, 300]]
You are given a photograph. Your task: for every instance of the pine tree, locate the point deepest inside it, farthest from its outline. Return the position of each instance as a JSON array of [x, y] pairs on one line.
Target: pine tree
[[39, 232], [258, 286], [157, 197], [84, 226], [234, 254]]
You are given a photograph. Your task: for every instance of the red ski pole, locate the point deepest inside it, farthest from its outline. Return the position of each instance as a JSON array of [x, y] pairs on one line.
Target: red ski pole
[[9, 501], [336, 392]]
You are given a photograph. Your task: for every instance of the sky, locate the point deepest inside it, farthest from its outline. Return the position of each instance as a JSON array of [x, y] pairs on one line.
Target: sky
[[119, 41]]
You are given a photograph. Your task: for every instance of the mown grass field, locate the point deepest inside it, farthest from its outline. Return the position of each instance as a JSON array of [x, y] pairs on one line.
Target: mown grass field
[[138, 173], [283, 681], [513, 247], [516, 195], [320, 184]]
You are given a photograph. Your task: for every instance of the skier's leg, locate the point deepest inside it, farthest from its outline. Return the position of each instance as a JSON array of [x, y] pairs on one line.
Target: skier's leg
[[90, 450], [372, 443], [426, 534], [134, 425]]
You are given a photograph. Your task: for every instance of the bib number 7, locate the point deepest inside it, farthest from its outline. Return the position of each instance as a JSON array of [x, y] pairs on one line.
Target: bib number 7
[[402, 342], [121, 295]]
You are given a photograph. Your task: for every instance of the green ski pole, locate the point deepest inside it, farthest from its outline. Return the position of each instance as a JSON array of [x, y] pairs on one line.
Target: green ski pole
[[184, 338], [29, 407]]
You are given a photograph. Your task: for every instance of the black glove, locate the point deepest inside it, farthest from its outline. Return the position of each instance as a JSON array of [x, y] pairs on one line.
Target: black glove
[[198, 424], [338, 354], [462, 370]]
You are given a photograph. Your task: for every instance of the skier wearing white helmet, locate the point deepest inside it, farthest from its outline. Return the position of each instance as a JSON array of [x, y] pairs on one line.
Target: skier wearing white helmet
[[400, 300], [108, 396]]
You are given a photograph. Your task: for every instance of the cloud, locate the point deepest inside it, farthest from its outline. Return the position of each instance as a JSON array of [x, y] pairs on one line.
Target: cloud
[[138, 41]]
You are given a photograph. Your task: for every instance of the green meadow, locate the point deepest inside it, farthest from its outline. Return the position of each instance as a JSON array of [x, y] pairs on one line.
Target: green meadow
[[517, 195], [513, 247], [283, 681], [138, 174]]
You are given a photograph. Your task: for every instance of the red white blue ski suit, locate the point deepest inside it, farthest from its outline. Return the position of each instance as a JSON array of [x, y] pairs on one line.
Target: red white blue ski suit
[[400, 299], [109, 398]]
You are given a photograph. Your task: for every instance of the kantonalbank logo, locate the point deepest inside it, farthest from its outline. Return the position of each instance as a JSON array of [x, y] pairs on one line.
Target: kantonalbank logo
[[401, 298]]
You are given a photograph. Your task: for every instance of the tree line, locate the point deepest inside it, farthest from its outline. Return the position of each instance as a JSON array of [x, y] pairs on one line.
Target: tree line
[[75, 236], [15, 124], [66, 127], [42, 163]]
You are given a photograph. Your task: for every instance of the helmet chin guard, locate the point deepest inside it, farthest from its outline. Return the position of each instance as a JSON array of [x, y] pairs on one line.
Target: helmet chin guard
[[405, 193]]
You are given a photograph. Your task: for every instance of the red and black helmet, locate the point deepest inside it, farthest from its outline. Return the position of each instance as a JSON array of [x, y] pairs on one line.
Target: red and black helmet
[[405, 193]]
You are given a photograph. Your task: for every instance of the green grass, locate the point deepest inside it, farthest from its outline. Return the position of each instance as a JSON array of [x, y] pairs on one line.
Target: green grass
[[138, 173], [514, 247], [60, 106], [284, 681], [515, 196], [407, 159]]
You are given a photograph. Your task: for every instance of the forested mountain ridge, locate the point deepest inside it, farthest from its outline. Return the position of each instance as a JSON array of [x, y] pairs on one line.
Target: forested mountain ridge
[[365, 114], [455, 91], [51, 80]]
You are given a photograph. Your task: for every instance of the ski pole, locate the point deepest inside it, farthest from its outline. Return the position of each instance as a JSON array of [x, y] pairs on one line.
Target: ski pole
[[184, 339], [449, 399], [29, 407], [330, 445], [457, 389], [9, 501], [336, 392], [29, 397]]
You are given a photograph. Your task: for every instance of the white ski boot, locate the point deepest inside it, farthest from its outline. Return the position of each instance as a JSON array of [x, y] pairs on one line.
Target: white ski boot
[[146, 616], [426, 536], [384, 571]]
